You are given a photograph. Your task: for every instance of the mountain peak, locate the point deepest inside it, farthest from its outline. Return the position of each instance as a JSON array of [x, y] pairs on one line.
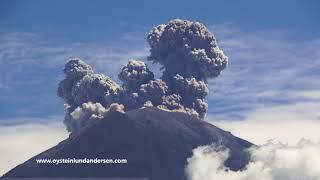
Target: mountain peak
[[156, 144]]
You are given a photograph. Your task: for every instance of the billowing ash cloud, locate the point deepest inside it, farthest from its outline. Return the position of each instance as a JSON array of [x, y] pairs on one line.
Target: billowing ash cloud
[[134, 74], [190, 87], [192, 91], [186, 48], [173, 101], [95, 88], [153, 91], [81, 85], [88, 113], [74, 70], [272, 161], [189, 55]]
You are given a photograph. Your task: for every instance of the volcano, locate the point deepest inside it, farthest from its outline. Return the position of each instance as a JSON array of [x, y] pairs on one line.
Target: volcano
[[155, 142]]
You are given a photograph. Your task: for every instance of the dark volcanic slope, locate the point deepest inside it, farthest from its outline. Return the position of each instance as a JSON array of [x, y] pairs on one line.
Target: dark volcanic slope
[[155, 142]]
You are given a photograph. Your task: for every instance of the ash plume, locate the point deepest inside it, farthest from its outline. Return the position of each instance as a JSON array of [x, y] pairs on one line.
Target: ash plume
[[134, 74], [81, 85], [189, 55], [173, 101], [186, 48], [95, 88], [74, 70], [88, 113], [153, 91], [80, 89]]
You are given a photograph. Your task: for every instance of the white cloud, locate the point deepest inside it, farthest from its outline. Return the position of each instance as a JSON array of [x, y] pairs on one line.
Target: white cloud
[[283, 151], [272, 161], [314, 95], [19, 142], [287, 124]]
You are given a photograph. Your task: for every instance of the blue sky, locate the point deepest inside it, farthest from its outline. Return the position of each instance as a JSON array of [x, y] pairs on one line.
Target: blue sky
[[105, 20], [272, 47]]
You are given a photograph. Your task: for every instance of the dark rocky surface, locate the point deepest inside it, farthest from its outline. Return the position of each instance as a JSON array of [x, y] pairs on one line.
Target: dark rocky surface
[[156, 144]]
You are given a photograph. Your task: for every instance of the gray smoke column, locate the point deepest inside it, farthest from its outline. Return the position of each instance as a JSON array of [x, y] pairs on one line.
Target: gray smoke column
[[192, 92], [74, 70], [189, 56], [81, 88], [134, 74], [95, 88], [140, 87], [186, 48], [88, 113], [153, 91]]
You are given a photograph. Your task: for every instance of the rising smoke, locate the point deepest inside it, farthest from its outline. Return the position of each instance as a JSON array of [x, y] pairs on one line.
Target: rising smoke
[[189, 56], [186, 48]]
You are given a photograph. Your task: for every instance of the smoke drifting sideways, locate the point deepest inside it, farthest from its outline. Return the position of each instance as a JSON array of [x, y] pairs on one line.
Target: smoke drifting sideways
[[189, 56]]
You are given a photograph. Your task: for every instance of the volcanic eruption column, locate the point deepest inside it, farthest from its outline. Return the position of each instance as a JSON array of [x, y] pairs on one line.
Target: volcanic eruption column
[[188, 54]]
